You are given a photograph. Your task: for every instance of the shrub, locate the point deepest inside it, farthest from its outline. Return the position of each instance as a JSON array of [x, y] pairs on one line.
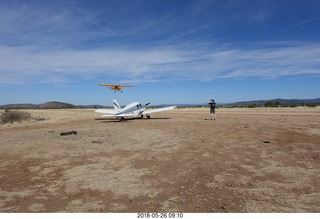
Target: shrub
[[38, 118], [253, 105], [269, 104], [14, 116]]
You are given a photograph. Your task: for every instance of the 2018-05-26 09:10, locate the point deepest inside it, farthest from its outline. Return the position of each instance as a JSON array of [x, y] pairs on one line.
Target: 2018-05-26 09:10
[[159, 215]]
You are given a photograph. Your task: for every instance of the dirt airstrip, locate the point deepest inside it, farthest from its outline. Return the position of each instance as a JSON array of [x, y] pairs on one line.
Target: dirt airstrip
[[248, 160]]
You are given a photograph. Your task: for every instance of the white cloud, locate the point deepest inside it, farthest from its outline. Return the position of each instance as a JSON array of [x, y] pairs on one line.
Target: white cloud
[[57, 42], [30, 65]]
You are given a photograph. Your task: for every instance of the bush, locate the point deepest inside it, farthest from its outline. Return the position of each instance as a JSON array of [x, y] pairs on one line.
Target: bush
[[272, 104], [269, 104], [14, 116], [253, 105]]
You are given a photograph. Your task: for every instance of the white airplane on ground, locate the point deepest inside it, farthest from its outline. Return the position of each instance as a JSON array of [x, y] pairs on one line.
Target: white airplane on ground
[[132, 109]]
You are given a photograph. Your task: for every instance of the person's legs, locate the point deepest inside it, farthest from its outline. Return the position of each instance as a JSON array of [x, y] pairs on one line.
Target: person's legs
[[213, 116]]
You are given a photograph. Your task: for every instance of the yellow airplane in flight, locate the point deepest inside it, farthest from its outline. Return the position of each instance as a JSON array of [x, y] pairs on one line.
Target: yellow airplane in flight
[[116, 87]]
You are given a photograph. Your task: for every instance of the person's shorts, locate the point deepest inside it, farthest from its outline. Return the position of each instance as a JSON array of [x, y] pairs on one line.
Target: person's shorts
[[212, 111]]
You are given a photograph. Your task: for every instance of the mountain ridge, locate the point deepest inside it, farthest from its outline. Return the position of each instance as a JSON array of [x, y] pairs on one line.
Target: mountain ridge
[[62, 105], [278, 101]]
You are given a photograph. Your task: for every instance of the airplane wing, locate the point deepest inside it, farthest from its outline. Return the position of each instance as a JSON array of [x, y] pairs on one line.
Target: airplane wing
[[108, 85], [125, 115], [106, 111], [118, 85], [119, 115], [110, 113], [107, 115], [158, 110]]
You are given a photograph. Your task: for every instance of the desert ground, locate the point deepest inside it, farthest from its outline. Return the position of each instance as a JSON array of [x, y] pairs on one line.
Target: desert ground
[[248, 160]]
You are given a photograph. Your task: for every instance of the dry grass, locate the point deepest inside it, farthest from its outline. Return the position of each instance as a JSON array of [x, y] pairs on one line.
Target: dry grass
[[248, 160], [44, 116], [11, 116]]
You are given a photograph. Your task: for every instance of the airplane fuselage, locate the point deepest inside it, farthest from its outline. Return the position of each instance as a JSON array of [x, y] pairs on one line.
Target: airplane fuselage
[[134, 108], [116, 88]]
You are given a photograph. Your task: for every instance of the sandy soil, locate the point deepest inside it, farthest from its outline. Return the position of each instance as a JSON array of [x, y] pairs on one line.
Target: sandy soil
[[248, 160]]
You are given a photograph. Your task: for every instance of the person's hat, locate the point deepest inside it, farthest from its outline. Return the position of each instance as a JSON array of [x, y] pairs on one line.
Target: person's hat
[[212, 100]]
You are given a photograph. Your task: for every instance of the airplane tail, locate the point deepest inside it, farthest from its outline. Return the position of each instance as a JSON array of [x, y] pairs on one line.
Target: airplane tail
[[116, 105]]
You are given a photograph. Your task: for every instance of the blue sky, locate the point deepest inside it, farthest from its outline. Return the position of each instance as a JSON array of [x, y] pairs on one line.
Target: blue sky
[[172, 51]]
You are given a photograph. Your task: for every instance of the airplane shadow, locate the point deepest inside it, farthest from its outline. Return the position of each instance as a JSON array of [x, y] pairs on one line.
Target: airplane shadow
[[110, 120]]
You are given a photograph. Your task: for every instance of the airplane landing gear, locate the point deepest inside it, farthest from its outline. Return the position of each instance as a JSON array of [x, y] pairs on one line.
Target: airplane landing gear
[[148, 116]]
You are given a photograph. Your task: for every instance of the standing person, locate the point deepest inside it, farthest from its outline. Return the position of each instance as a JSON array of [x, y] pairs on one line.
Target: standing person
[[212, 109]]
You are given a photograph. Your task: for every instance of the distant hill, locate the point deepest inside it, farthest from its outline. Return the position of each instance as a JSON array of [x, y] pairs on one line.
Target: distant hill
[[92, 106], [19, 106], [48, 105], [280, 102], [56, 105], [276, 102]]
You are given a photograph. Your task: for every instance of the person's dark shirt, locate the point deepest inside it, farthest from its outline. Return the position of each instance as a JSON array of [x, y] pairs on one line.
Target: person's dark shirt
[[212, 106]]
